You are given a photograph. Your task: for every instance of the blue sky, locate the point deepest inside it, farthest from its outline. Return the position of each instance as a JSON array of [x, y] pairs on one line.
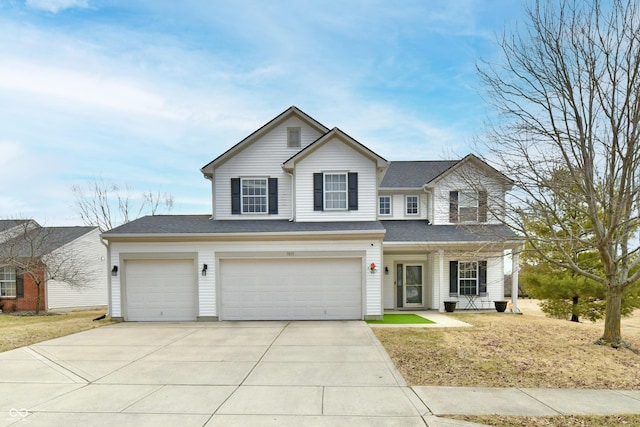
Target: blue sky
[[145, 92]]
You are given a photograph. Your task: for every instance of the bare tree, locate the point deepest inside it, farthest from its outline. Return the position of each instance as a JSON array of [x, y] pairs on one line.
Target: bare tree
[[107, 205], [568, 100], [41, 254]]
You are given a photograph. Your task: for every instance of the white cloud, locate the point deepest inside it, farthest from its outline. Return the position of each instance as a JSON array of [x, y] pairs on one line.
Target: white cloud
[[55, 6]]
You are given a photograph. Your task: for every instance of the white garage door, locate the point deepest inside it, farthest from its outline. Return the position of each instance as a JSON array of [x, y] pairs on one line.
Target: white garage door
[[160, 290], [286, 289]]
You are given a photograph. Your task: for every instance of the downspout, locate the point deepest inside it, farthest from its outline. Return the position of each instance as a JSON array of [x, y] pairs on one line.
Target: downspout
[[213, 196], [108, 261], [429, 204], [293, 199]]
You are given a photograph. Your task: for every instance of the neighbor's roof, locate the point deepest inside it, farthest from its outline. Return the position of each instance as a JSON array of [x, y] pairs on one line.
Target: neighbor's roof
[[414, 174], [204, 225], [7, 224], [421, 231], [42, 240]]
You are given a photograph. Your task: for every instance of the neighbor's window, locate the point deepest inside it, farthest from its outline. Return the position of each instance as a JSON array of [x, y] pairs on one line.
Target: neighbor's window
[[335, 191], [412, 205], [385, 205], [254, 195], [293, 137], [468, 278], [7, 282], [467, 206]]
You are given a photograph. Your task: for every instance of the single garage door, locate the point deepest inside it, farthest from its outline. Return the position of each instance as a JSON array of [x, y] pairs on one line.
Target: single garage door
[[291, 289], [160, 290]]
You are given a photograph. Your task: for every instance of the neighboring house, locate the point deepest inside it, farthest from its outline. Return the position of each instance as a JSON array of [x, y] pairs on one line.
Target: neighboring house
[[308, 223], [51, 254]]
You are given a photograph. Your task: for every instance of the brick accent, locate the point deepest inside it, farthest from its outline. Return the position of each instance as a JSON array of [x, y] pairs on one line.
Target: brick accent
[[28, 301]]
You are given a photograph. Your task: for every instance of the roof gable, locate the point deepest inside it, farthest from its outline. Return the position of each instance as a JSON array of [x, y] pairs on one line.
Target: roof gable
[[484, 166], [334, 133], [292, 111]]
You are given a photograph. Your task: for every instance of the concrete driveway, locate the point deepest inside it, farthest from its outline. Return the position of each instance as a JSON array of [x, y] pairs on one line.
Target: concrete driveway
[[213, 374]]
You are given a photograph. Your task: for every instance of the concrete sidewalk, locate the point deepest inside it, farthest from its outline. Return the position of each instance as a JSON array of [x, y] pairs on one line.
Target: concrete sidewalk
[[249, 373]]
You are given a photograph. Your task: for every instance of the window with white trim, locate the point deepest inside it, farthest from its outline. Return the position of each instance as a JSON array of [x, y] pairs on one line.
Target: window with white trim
[[468, 277], [412, 205], [7, 281], [467, 206], [254, 195], [293, 137], [384, 205], [335, 191]]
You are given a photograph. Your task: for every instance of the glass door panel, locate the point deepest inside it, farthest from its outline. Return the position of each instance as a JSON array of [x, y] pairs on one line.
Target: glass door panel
[[413, 288]]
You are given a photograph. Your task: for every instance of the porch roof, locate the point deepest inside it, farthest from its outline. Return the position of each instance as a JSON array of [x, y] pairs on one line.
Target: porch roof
[[420, 231]]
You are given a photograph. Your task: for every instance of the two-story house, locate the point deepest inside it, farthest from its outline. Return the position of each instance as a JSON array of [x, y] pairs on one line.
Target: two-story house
[[308, 223]]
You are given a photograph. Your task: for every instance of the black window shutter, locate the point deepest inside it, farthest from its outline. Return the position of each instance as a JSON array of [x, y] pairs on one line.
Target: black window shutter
[[482, 206], [482, 276], [235, 196], [353, 191], [453, 277], [19, 283], [273, 196], [453, 206], [318, 193]]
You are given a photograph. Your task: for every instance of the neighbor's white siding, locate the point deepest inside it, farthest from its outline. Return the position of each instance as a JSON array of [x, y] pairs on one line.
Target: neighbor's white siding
[[209, 253], [336, 156], [90, 255], [263, 158]]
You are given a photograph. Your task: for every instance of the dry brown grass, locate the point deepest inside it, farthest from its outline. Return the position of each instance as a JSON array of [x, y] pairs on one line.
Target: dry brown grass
[[505, 350], [559, 421], [19, 331]]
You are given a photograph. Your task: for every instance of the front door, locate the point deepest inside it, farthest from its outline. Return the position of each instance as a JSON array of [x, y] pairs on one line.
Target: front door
[[410, 285]]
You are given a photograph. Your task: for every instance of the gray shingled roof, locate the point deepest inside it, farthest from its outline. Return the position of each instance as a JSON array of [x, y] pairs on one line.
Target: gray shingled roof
[[41, 240], [414, 174], [202, 224], [6, 224], [420, 231]]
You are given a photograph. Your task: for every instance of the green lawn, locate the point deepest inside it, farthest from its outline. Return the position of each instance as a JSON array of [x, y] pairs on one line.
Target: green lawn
[[400, 319]]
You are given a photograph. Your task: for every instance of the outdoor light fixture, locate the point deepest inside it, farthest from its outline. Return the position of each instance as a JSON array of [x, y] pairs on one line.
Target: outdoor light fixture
[[114, 270], [204, 269], [386, 271]]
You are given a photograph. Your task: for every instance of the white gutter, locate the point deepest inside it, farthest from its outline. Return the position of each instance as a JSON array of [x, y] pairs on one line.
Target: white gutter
[[293, 199]]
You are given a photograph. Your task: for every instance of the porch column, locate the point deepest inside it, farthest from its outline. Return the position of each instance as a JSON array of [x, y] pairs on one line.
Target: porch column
[[515, 255], [440, 279]]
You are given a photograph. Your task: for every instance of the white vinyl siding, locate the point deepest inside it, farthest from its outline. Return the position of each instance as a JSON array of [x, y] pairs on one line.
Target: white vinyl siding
[[454, 182], [210, 252], [398, 206], [91, 253], [335, 155], [263, 158]]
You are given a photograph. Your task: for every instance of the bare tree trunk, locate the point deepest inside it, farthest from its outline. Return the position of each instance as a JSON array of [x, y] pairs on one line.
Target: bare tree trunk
[[612, 335], [38, 296]]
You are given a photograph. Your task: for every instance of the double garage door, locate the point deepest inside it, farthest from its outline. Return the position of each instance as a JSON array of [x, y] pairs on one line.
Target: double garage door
[[291, 289], [249, 289]]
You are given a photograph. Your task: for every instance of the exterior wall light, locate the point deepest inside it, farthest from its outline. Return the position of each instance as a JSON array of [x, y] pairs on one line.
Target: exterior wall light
[[204, 269], [386, 271], [372, 267], [114, 271]]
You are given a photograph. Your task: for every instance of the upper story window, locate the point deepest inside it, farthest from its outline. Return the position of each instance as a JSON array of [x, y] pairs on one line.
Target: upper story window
[[384, 205], [293, 137], [254, 195], [467, 206], [335, 191], [412, 205], [7, 282]]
